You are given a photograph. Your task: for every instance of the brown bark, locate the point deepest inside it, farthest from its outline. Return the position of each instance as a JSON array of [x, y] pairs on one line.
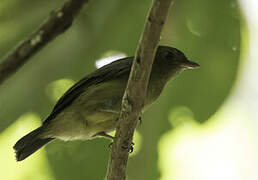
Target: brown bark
[[135, 92], [57, 23]]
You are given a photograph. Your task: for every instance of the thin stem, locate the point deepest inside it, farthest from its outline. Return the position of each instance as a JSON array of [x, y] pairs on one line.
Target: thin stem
[[135, 92], [57, 23]]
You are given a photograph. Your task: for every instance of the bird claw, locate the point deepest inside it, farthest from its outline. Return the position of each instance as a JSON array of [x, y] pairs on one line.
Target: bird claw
[[140, 120], [110, 145], [130, 149]]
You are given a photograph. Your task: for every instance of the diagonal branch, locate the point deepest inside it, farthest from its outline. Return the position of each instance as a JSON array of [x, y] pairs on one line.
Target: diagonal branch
[[57, 23], [135, 92]]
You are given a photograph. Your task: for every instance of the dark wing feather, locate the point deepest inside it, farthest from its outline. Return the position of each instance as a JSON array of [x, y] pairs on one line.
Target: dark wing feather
[[105, 73]]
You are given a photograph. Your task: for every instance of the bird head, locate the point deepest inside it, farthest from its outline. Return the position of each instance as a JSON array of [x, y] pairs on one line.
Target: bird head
[[169, 61]]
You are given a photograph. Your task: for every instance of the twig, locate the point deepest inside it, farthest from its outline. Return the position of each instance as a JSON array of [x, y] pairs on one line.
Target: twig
[[57, 23], [135, 92]]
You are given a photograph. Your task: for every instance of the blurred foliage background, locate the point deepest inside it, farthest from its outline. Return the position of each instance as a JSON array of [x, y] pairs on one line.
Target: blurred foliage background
[[187, 134]]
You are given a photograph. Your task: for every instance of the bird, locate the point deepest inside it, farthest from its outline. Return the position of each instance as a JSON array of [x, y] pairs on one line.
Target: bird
[[91, 107]]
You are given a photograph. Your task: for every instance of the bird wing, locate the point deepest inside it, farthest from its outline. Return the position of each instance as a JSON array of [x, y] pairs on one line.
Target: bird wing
[[103, 74]]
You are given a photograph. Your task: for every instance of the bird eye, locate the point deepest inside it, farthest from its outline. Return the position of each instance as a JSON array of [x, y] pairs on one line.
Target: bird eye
[[169, 55]]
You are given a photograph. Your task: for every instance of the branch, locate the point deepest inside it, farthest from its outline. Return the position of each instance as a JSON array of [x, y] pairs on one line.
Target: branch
[[135, 92], [57, 23]]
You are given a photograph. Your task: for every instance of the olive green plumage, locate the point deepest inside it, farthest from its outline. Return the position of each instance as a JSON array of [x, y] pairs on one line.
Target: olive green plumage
[[91, 107]]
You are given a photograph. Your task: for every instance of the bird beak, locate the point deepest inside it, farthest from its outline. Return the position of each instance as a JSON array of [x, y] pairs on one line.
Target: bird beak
[[189, 64]]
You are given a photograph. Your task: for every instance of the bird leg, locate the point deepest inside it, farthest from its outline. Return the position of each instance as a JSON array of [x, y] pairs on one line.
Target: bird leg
[[104, 134]]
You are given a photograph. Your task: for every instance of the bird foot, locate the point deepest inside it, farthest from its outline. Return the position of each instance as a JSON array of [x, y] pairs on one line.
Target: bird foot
[[140, 120], [130, 149]]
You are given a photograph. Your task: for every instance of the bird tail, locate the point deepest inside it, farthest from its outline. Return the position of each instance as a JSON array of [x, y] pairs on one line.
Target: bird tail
[[29, 144]]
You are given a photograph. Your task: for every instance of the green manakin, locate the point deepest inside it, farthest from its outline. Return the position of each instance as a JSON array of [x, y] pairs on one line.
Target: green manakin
[[91, 107]]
